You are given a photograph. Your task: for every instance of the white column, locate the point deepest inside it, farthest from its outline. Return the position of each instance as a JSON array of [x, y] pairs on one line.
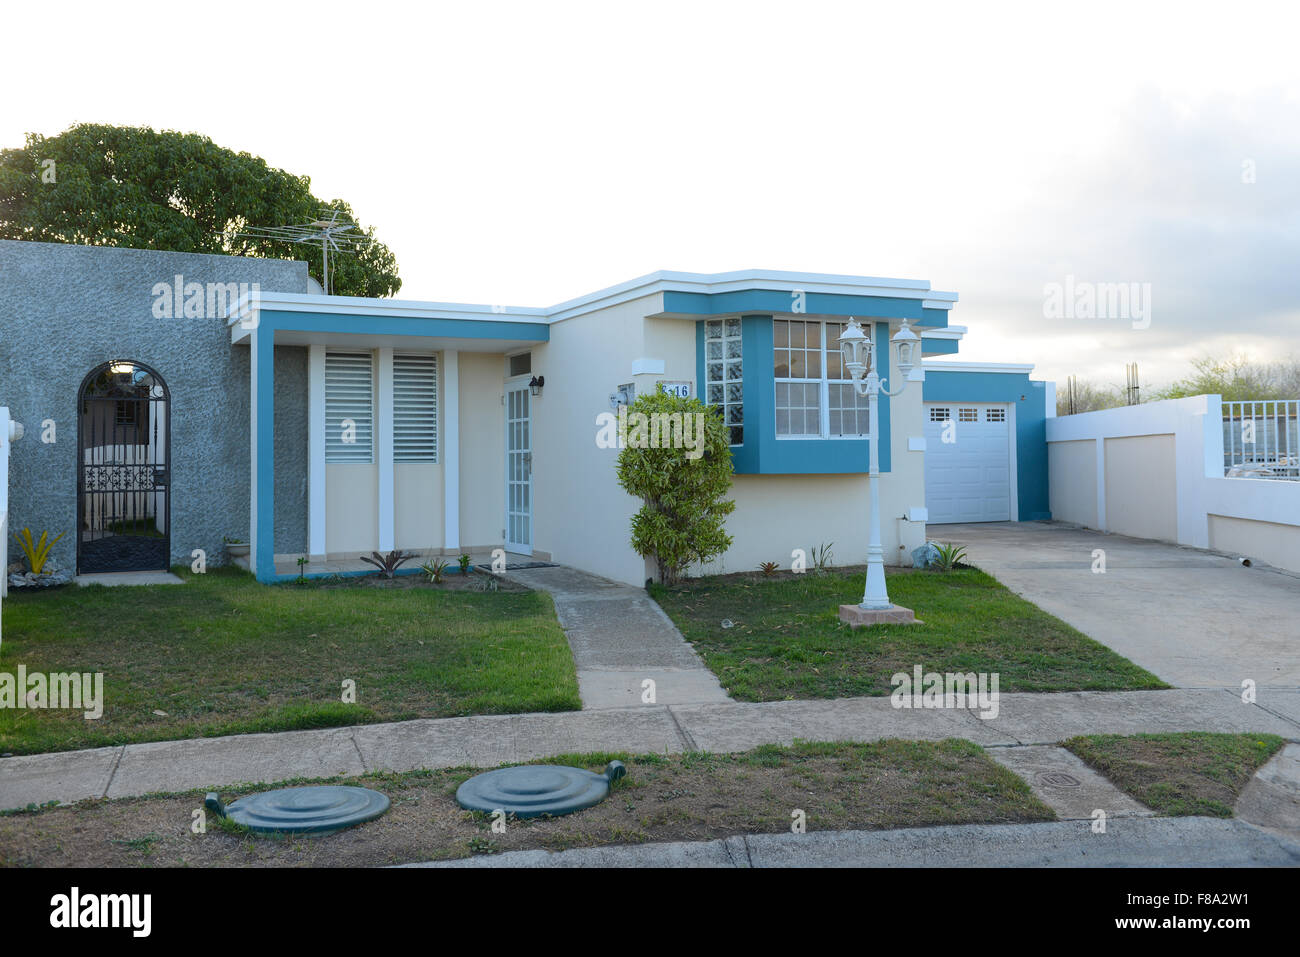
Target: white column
[[384, 449], [316, 546], [450, 451]]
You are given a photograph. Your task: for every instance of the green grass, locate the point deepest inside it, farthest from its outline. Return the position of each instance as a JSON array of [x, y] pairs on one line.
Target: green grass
[[787, 641], [1179, 774], [223, 654]]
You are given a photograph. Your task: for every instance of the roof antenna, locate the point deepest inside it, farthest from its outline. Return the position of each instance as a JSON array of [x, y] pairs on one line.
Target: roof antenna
[[331, 229]]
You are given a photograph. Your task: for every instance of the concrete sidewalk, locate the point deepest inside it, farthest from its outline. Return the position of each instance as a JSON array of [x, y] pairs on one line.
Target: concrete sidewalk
[[1129, 842], [620, 639], [486, 741], [1193, 618]]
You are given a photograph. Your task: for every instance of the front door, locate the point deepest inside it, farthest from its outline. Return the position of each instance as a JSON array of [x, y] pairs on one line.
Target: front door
[[519, 470]]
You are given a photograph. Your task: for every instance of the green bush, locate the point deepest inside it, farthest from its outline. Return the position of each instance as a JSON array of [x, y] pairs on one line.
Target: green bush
[[682, 474]]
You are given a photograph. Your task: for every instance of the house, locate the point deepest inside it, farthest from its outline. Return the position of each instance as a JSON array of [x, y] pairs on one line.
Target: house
[[174, 401]]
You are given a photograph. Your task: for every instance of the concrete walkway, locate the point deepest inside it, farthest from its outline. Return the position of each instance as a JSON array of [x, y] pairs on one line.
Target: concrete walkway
[[621, 639], [1193, 618], [486, 741], [1131, 842]]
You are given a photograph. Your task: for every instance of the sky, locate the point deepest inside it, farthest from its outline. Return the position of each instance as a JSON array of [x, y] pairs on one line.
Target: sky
[[527, 153]]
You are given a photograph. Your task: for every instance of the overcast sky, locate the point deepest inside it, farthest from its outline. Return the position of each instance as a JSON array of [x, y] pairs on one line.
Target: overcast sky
[[527, 153]]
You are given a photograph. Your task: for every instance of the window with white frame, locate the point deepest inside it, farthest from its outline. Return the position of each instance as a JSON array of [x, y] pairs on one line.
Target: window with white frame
[[724, 373], [815, 397], [349, 407], [415, 408]]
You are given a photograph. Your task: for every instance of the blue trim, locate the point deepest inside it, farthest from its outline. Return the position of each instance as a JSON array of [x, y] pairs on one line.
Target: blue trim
[[405, 326], [938, 347], [762, 452], [262, 361], [815, 304], [1031, 425]]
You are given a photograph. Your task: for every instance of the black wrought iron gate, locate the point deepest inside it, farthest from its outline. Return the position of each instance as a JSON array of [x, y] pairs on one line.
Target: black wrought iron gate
[[123, 470]]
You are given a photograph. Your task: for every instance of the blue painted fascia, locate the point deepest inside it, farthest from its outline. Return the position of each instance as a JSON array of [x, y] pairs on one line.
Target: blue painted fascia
[[344, 324], [771, 301], [1031, 425], [762, 452], [938, 347]]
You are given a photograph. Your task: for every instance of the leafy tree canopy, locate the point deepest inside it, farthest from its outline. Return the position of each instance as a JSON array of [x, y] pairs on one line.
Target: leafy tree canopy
[[131, 186]]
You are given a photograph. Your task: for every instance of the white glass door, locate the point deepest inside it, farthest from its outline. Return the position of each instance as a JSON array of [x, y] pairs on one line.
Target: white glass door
[[519, 471]]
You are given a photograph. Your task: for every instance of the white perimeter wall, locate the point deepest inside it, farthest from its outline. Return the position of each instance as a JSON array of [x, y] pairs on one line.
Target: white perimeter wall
[[1156, 471]]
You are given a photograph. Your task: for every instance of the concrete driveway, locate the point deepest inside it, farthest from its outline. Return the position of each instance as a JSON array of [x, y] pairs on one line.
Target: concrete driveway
[[1195, 619]]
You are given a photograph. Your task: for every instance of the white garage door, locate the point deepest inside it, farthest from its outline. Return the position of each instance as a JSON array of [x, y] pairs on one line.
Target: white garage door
[[968, 477]]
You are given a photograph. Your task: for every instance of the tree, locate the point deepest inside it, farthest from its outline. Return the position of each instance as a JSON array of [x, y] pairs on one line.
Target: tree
[[1238, 379], [131, 186], [1088, 397], [677, 460]]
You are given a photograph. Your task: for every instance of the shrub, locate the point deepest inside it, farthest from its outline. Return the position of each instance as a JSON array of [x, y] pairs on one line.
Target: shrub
[[682, 476]]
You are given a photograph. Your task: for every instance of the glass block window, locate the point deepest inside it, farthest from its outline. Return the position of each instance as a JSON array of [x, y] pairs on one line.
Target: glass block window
[[815, 397], [724, 373], [415, 408], [349, 407]]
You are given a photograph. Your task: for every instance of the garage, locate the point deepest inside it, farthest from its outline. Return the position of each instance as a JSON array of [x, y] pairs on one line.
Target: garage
[[968, 458]]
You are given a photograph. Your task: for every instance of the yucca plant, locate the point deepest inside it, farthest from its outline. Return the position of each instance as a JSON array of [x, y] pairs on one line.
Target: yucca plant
[[768, 567], [388, 564], [464, 564], [36, 552], [949, 555]]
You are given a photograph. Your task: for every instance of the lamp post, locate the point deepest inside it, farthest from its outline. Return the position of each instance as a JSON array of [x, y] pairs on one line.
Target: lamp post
[[861, 358]]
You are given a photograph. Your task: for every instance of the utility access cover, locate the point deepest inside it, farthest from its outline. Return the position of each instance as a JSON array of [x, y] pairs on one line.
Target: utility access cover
[[308, 810], [537, 789]]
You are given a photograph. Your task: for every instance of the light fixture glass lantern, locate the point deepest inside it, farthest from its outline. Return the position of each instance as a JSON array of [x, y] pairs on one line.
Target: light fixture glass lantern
[[906, 341], [536, 384], [855, 346]]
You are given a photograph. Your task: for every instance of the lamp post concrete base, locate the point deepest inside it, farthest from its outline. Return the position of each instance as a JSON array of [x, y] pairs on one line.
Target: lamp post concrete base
[[858, 617]]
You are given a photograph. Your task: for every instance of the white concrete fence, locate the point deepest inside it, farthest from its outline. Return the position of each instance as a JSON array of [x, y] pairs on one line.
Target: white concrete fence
[[1157, 471]]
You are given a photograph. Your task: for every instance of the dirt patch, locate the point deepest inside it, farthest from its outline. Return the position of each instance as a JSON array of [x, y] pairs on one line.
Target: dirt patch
[[691, 797], [451, 581]]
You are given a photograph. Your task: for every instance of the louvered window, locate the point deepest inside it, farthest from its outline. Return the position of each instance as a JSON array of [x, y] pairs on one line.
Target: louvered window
[[349, 407], [415, 408]]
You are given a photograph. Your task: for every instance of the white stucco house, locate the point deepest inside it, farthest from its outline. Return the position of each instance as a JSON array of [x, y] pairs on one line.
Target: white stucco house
[[476, 426]]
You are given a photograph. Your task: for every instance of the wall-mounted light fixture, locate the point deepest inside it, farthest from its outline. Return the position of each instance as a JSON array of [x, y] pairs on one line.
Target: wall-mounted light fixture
[[535, 384]]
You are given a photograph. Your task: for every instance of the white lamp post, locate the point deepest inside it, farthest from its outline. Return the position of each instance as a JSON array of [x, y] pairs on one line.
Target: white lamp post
[[861, 358]]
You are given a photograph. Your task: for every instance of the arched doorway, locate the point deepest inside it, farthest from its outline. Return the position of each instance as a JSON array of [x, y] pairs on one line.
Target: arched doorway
[[123, 469]]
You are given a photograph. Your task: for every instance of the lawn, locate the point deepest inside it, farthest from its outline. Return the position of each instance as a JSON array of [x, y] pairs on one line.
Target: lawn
[[687, 797], [786, 641], [1179, 774], [223, 654]]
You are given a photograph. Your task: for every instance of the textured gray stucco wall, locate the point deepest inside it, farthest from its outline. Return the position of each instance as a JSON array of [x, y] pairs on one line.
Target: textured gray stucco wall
[[66, 309]]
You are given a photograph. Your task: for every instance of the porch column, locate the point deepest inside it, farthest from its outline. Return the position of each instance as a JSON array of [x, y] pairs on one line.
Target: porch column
[[384, 448], [316, 453], [261, 432], [450, 450]]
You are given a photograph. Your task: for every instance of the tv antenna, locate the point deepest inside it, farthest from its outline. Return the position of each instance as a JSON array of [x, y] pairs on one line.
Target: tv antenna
[[331, 229]]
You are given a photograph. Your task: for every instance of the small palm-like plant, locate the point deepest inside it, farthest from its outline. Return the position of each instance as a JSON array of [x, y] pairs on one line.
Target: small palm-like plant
[[823, 558], [36, 552], [464, 564], [434, 570], [949, 555], [388, 564], [768, 567]]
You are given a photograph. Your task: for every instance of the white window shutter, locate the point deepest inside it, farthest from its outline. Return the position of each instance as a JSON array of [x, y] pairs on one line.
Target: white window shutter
[[415, 408], [349, 394]]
